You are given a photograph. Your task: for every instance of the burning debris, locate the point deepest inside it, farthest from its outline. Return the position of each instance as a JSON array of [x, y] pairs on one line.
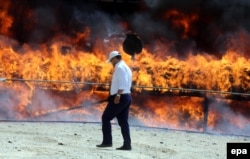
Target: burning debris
[[191, 69]]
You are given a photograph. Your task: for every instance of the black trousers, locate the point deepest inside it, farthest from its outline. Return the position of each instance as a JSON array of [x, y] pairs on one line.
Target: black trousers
[[121, 112]]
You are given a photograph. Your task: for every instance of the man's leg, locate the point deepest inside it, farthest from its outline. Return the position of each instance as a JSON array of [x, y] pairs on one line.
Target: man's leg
[[122, 118], [109, 113], [123, 122], [107, 116]]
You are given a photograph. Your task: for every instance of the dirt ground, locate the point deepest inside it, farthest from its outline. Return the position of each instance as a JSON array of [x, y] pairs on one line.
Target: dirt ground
[[52, 140]]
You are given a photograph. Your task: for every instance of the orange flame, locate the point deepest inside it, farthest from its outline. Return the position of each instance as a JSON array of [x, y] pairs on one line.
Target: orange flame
[[61, 60]]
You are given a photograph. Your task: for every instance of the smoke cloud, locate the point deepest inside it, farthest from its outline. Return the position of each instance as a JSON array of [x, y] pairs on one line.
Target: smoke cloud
[[218, 25], [229, 117]]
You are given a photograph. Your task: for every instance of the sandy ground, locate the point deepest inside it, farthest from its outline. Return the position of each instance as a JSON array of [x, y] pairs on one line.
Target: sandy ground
[[52, 140]]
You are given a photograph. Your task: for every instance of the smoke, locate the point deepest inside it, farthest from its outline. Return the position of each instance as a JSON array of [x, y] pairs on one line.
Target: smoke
[[42, 101], [15, 107], [228, 118], [211, 32], [8, 105], [218, 22], [45, 27]]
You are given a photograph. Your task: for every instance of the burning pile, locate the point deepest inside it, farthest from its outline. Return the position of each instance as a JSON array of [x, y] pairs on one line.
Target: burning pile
[[53, 58]]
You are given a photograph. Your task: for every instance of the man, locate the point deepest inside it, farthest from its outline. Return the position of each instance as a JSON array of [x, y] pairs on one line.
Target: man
[[118, 103]]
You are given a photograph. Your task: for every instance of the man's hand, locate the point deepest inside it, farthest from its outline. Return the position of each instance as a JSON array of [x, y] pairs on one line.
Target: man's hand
[[117, 99]]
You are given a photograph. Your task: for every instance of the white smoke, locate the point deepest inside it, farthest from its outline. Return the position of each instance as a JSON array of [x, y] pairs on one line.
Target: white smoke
[[230, 121]]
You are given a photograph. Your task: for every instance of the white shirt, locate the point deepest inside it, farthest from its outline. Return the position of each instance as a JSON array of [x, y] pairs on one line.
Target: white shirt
[[121, 79]]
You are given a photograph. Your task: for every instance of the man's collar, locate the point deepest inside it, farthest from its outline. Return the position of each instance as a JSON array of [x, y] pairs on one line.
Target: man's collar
[[118, 63]]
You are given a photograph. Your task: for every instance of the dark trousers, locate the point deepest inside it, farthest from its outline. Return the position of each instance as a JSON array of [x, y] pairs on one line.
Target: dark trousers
[[121, 112]]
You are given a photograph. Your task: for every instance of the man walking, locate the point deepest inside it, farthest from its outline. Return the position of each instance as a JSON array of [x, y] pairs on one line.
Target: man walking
[[118, 103]]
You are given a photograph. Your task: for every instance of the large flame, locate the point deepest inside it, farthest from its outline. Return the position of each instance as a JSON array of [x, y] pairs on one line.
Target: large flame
[[71, 74]]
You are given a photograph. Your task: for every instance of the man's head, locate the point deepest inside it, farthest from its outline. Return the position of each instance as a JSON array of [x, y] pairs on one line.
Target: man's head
[[114, 57]]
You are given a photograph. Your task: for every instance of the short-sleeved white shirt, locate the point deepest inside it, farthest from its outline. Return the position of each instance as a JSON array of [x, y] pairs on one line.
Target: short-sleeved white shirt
[[121, 79]]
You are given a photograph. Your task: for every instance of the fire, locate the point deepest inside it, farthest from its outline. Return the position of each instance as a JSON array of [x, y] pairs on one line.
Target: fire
[[200, 71], [181, 21], [45, 79], [5, 20], [178, 112]]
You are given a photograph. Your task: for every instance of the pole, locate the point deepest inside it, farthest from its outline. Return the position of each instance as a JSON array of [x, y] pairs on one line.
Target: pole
[[134, 86]]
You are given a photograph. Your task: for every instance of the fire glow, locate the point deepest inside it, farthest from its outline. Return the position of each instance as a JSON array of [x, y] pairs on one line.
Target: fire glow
[[154, 74]]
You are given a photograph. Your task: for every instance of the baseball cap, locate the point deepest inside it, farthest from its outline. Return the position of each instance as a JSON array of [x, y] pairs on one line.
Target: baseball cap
[[112, 54]]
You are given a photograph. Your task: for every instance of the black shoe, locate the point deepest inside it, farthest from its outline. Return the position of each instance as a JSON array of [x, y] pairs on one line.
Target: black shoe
[[124, 147], [104, 145]]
